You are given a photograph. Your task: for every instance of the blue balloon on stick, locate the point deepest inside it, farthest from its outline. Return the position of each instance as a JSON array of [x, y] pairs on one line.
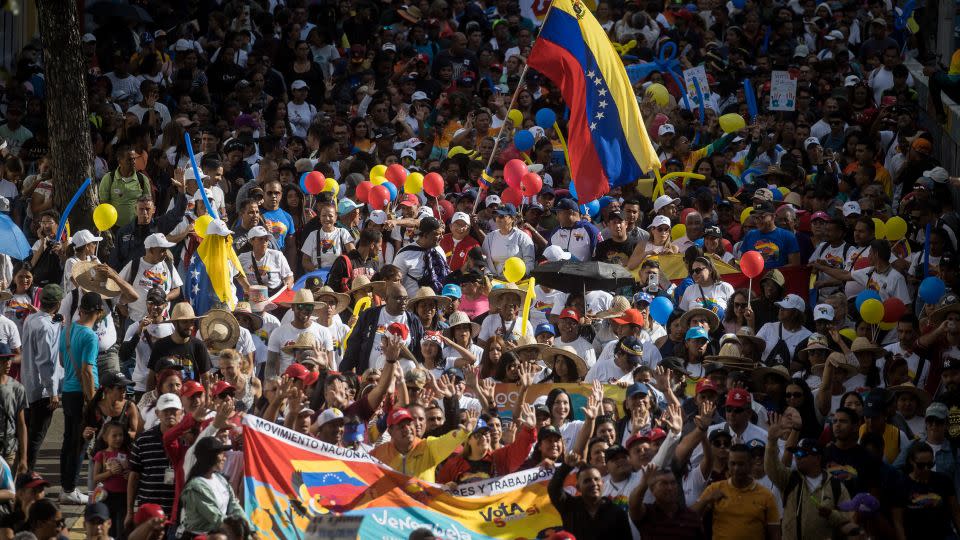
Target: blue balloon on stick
[[392, 189], [932, 290], [546, 118], [660, 309], [303, 182], [523, 140], [591, 208]]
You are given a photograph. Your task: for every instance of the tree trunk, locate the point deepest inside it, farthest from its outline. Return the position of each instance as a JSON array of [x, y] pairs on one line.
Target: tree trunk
[[67, 114]]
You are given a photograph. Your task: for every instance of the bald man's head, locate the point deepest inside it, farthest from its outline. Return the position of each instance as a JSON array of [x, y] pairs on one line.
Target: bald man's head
[[396, 298]]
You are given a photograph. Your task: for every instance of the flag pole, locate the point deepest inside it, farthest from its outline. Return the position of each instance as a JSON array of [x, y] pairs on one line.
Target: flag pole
[[513, 101]]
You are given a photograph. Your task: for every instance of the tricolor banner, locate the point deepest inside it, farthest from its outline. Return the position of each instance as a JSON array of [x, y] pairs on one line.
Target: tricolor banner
[[291, 478]]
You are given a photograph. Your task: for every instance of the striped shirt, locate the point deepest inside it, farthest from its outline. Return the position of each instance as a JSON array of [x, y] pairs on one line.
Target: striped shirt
[[149, 460]]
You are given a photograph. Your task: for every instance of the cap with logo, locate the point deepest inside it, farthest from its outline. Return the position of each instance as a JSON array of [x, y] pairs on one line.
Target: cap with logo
[[792, 301], [738, 397], [851, 208], [823, 312]]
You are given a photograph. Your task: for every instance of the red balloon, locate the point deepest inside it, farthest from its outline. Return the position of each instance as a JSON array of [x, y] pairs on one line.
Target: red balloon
[[531, 184], [433, 184], [513, 173], [511, 196], [396, 174], [363, 190], [446, 210], [893, 309], [314, 182], [379, 197], [751, 264]]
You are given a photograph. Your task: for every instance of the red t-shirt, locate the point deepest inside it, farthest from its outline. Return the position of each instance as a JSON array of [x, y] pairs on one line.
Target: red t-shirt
[[456, 252], [118, 482]]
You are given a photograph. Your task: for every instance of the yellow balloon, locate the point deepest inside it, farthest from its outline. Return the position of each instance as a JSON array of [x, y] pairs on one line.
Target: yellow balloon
[[331, 185], [413, 183], [879, 229], [377, 170], [872, 311], [377, 180], [200, 225], [887, 325], [516, 117], [896, 228], [850, 333], [745, 214], [658, 93], [104, 216], [514, 269], [783, 190], [732, 122], [678, 231]]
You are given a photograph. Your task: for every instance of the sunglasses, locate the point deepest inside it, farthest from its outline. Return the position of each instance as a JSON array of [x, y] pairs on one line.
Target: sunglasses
[[717, 443], [923, 464], [740, 305], [734, 410], [793, 395], [800, 454], [936, 421], [303, 307]]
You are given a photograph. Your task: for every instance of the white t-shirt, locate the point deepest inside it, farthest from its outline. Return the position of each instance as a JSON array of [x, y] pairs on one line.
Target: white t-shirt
[[149, 275], [606, 369], [499, 247], [262, 336], [286, 334], [583, 347], [543, 304], [913, 362], [412, 267], [300, 117], [493, 325], [10, 334], [770, 333], [890, 284], [719, 293], [451, 355], [377, 360], [273, 268], [338, 332], [332, 245], [8, 189], [142, 350], [575, 240]]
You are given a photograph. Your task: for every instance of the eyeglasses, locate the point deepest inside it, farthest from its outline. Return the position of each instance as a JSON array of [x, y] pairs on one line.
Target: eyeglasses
[[923, 464], [734, 410], [740, 305], [717, 443], [800, 454], [303, 307], [793, 395]]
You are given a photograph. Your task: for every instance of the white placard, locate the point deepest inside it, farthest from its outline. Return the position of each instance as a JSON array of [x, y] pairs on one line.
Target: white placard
[[783, 92]]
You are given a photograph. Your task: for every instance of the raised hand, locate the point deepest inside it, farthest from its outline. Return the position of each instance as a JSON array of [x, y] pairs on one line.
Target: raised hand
[[488, 391], [527, 416], [776, 427], [426, 396], [471, 375], [472, 416], [674, 418], [224, 411], [525, 374], [572, 459], [662, 376], [445, 386], [509, 433], [593, 408], [705, 417], [391, 347], [598, 391]]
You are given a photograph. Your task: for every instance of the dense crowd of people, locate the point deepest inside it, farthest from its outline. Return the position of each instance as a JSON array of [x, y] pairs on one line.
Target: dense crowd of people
[[385, 324]]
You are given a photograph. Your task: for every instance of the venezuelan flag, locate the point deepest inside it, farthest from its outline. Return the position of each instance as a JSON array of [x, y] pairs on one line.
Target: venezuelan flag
[[607, 141]]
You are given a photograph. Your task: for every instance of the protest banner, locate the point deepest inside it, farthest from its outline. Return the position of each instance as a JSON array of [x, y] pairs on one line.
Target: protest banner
[[783, 92], [698, 73], [508, 394], [291, 478]]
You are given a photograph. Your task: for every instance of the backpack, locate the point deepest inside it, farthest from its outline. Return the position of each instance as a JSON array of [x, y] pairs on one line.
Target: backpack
[[344, 284], [144, 189]]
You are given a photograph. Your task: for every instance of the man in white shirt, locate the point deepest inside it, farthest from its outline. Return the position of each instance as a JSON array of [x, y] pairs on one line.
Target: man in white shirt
[[625, 354], [303, 306], [880, 276], [569, 326], [918, 368], [737, 411], [150, 93], [418, 260], [151, 270]]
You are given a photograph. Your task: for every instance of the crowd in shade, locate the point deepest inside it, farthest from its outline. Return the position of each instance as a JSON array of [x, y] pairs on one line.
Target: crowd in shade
[[357, 220]]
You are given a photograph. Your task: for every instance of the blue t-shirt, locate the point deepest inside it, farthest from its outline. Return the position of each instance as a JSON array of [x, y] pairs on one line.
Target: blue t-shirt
[[280, 224], [83, 350], [775, 246]]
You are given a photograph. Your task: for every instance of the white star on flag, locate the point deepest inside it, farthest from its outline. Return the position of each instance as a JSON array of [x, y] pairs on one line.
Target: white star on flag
[[597, 81], [591, 74], [603, 104], [599, 115], [602, 92], [593, 126]]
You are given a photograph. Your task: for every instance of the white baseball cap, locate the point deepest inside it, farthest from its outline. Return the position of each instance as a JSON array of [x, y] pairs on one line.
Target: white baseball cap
[[811, 141], [84, 237], [408, 153], [823, 312], [460, 216], [834, 34], [298, 84], [658, 221], [851, 80], [89, 38], [169, 401], [328, 415], [183, 45], [197, 196], [157, 240], [792, 301], [377, 217], [664, 129], [556, 253], [662, 201], [937, 174], [389, 47], [492, 199], [850, 208], [217, 227], [419, 95], [257, 232]]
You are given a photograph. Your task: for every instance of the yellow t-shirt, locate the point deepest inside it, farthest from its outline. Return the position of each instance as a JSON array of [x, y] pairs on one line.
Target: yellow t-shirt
[[742, 513], [955, 64]]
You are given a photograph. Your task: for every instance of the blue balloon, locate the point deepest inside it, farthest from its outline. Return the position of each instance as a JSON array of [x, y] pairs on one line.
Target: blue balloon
[[303, 180], [932, 290], [572, 188], [866, 295], [392, 189], [546, 118], [523, 140], [777, 195], [739, 4], [660, 309], [591, 208]]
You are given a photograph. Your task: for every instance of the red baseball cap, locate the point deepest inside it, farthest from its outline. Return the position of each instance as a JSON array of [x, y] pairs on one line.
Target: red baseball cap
[[738, 397], [296, 371], [222, 386], [190, 389], [150, 511], [570, 313], [657, 434], [310, 378], [821, 215], [637, 437], [409, 200], [397, 416], [630, 316], [399, 329], [705, 385]]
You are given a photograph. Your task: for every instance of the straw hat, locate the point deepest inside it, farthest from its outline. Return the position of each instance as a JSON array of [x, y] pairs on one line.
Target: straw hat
[[839, 361], [183, 311], [363, 285], [816, 342], [426, 293], [89, 278], [711, 316], [617, 308], [564, 350], [245, 308], [303, 296], [948, 305], [922, 396], [306, 340], [458, 318], [730, 355], [539, 347], [760, 373], [497, 295], [341, 300], [862, 344], [220, 330], [745, 333]]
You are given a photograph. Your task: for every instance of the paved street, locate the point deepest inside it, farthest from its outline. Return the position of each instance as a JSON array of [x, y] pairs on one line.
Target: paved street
[[48, 464]]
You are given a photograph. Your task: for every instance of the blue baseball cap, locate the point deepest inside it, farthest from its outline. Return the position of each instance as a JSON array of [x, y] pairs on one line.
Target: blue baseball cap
[[632, 347], [346, 205], [638, 388], [567, 204], [451, 290], [697, 332], [545, 328], [642, 296], [506, 210], [481, 426]]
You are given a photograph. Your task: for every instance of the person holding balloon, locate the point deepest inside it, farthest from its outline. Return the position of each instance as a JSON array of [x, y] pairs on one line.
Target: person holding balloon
[[507, 241], [880, 276], [324, 245]]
